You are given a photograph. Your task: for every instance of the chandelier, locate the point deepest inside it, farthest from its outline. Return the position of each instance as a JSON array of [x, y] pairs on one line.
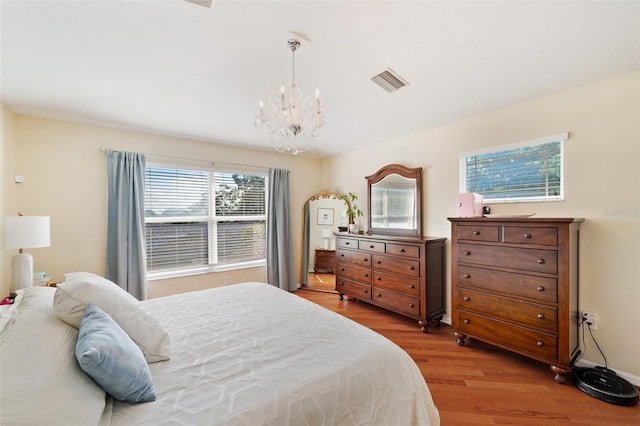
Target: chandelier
[[295, 121]]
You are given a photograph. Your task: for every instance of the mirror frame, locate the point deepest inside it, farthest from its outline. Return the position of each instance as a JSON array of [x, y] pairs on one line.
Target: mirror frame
[[408, 173]]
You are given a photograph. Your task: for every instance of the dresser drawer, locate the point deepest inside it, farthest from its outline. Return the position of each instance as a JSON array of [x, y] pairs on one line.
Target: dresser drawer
[[354, 273], [361, 291], [405, 250], [355, 257], [520, 285], [374, 246], [530, 235], [479, 232], [508, 309], [347, 243], [396, 265], [508, 257], [406, 285], [400, 303], [523, 339]]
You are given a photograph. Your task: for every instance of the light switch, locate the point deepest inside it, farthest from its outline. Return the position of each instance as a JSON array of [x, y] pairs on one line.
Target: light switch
[[18, 179]]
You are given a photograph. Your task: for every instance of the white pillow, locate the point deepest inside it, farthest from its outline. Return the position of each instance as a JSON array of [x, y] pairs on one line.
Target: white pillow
[[78, 276], [42, 382], [72, 297]]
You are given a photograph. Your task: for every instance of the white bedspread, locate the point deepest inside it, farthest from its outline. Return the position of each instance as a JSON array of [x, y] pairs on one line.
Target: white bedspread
[[252, 354]]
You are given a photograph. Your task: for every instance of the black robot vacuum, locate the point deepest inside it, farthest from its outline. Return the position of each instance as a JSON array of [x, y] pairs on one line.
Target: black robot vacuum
[[605, 384]]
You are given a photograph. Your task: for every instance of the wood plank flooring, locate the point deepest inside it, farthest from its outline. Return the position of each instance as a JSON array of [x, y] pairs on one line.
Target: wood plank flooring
[[321, 281], [478, 383]]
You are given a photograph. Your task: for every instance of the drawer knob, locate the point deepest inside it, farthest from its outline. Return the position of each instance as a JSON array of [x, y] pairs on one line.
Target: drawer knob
[[379, 262], [412, 286], [366, 291], [540, 288], [366, 259], [401, 250], [411, 305], [379, 294], [341, 254], [366, 275], [541, 261], [467, 276], [466, 321], [466, 298], [341, 269], [347, 243], [467, 253], [527, 235], [540, 343], [371, 246], [411, 268], [379, 278], [476, 232], [540, 316]]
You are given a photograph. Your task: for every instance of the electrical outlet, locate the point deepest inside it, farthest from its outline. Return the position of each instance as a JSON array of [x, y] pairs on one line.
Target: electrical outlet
[[590, 319], [225, 280]]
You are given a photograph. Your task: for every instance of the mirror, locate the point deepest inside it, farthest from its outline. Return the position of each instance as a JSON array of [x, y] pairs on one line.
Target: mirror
[[394, 200], [323, 213]]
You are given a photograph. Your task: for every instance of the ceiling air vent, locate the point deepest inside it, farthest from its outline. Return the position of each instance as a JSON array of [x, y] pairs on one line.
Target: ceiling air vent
[[389, 80]]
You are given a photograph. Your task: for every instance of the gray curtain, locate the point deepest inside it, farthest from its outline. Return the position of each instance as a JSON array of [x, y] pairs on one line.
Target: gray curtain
[[280, 268], [126, 255], [305, 245]]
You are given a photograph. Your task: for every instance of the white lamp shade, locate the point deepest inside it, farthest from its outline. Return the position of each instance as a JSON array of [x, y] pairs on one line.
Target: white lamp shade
[[21, 232]]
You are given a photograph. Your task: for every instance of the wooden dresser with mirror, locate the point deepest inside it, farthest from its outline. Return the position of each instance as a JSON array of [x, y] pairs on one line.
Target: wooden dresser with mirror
[[393, 266]]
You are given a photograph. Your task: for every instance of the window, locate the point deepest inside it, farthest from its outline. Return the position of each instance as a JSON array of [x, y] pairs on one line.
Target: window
[[525, 171], [203, 220]]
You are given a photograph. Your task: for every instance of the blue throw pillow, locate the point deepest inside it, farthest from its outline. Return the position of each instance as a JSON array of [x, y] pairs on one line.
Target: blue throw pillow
[[107, 354]]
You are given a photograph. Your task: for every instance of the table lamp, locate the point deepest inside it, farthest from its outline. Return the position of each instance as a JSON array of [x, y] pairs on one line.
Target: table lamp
[[22, 232], [326, 234]]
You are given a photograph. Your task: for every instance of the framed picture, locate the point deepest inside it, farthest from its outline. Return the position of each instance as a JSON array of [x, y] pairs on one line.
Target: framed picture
[[325, 216]]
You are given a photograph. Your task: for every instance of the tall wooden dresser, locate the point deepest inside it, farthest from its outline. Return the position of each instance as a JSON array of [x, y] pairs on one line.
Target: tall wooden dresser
[[514, 284], [402, 274]]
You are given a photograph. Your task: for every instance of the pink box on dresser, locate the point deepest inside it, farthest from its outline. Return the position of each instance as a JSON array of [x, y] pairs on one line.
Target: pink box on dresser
[[469, 204]]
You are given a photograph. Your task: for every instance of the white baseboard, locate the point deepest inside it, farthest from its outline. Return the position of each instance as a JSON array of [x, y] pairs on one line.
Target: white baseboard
[[634, 380]]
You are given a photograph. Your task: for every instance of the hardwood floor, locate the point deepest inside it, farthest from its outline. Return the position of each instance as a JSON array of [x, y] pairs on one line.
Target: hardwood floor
[[321, 281], [479, 383]]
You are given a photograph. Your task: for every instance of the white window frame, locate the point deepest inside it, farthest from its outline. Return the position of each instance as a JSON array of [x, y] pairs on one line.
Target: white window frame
[[559, 137], [212, 220]]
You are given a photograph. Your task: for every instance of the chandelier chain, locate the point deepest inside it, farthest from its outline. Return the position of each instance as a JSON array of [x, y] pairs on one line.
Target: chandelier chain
[[293, 44]]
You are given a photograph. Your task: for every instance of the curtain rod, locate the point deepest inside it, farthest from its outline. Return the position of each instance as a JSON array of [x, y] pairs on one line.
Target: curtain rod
[[212, 163]]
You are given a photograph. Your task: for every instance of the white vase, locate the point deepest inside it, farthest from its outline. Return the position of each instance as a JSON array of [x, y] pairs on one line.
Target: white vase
[[353, 228]]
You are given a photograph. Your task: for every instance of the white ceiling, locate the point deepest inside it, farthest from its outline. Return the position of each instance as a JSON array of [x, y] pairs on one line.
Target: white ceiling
[[176, 68]]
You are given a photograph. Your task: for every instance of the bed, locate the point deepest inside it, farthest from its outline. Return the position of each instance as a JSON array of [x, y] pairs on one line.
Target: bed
[[246, 354]]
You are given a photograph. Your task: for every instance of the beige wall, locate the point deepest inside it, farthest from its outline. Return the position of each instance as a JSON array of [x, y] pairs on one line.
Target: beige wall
[[8, 205], [65, 178], [602, 184]]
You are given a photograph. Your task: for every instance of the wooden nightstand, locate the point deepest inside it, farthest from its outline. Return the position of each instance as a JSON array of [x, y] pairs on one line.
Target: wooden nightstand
[[325, 260]]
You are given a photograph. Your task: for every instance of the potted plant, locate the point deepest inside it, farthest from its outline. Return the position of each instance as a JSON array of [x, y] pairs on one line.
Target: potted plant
[[353, 212]]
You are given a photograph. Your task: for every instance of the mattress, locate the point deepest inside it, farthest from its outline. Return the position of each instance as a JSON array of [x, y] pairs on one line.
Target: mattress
[[252, 354]]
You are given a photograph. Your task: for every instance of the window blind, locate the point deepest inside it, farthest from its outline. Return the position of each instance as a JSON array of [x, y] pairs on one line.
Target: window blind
[[240, 213], [530, 172], [197, 218], [393, 206]]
